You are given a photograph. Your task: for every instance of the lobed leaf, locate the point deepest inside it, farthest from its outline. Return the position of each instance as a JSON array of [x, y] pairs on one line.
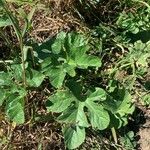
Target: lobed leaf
[[74, 136], [35, 78], [98, 95], [56, 76], [98, 117], [15, 109], [5, 21], [59, 102], [74, 115], [2, 96]]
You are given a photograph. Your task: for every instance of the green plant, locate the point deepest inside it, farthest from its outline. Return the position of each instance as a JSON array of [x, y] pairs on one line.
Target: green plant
[[134, 63], [128, 141], [146, 99], [13, 82], [135, 21]]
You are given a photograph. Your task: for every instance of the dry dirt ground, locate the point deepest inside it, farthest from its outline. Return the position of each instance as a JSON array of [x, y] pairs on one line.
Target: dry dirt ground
[[144, 133]]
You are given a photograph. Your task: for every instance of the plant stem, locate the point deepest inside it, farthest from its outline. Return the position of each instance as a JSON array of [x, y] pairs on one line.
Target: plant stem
[[114, 135], [24, 75], [23, 64]]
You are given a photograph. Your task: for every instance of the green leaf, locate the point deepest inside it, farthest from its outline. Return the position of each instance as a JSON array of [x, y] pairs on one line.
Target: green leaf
[[17, 71], [59, 101], [121, 102], [125, 106], [2, 96], [15, 109], [75, 40], [146, 99], [79, 50], [35, 78], [99, 117], [46, 63], [75, 115], [17, 89], [85, 61], [76, 48], [120, 105], [56, 76], [98, 95], [1, 3], [58, 43], [74, 136], [5, 21], [75, 88], [5, 79], [70, 69]]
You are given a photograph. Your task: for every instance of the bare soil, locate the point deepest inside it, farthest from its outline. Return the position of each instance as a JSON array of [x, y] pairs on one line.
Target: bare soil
[[144, 133]]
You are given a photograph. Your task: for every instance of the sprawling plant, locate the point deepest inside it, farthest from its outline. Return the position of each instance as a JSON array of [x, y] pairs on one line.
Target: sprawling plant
[[80, 107], [134, 63], [137, 20]]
